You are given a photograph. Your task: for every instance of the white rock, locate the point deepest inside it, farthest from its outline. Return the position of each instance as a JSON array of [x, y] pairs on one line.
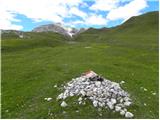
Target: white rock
[[80, 99], [127, 103], [65, 96], [122, 82], [98, 83], [48, 99], [63, 104], [154, 93], [101, 104], [95, 103], [145, 89], [89, 93], [55, 86], [80, 102], [45, 98], [129, 115], [82, 92], [121, 100], [127, 99], [117, 108], [122, 112], [71, 94], [110, 105], [113, 101], [125, 109]]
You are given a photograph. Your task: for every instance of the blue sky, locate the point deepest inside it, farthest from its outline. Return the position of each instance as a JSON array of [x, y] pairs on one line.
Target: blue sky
[[27, 14]]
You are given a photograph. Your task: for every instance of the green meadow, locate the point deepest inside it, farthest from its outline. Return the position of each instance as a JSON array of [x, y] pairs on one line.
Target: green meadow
[[32, 65]]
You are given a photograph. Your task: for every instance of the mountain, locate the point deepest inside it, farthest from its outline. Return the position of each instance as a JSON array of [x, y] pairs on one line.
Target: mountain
[[140, 27], [58, 28]]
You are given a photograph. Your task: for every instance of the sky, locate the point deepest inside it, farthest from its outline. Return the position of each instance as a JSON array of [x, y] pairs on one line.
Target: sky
[[27, 14]]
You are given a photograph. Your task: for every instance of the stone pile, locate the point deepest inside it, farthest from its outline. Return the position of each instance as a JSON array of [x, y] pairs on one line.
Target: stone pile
[[102, 92]]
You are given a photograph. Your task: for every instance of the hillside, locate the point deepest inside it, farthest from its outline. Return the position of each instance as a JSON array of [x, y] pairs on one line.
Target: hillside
[[13, 41], [33, 64], [139, 27]]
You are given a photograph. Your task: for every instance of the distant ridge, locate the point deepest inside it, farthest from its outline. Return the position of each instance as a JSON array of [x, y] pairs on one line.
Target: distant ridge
[[143, 25], [58, 28]]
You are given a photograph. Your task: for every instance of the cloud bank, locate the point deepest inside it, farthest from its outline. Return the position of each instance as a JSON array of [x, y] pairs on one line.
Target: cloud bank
[[100, 12]]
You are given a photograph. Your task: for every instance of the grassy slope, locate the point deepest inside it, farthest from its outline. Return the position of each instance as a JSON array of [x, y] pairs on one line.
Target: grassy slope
[[31, 68]]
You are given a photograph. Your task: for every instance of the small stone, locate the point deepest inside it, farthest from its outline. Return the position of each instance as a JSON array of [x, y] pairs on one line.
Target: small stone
[[129, 115], [48, 99], [55, 86], [122, 82], [98, 83], [127, 103], [121, 100], [110, 105], [80, 102], [77, 111], [145, 89], [122, 112], [126, 99], [80, 99], [117, 108], [82, 92], [60, 96], [154, 93], [95, 103], [145, 104], [101, 104], [71, 94], [63, 104], [113, 101], [125, 109]]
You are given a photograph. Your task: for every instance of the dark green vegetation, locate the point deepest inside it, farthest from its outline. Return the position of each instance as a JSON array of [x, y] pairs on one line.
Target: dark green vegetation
[[32, 65]]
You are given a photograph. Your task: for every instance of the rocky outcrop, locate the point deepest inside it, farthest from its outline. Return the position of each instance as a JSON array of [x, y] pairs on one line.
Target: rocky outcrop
[[58, 28]]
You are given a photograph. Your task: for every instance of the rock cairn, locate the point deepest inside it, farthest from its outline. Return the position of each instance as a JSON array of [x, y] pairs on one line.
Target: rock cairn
[[102, 93]]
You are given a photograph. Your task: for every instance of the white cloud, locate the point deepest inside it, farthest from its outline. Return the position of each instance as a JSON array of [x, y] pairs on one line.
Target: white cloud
[[77, 12], [57, 10], [104, 5], [95, 20], [37, 10], [6, 20], [83, 4], [133, 8], [90, 20]]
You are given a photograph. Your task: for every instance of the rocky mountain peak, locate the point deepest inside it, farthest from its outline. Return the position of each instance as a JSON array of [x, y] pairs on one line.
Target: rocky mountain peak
[[58, 28]]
